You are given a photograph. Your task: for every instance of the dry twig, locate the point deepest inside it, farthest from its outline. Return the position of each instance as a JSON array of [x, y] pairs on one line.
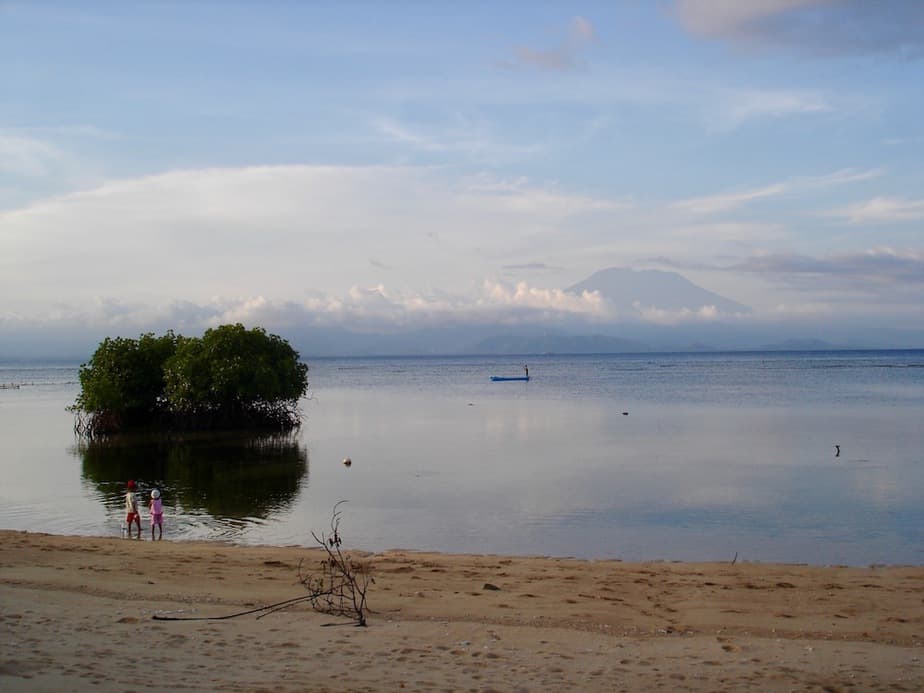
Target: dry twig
[[339, 587]]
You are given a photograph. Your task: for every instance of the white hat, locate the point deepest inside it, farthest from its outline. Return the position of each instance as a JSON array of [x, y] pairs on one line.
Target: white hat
[[155, 494]]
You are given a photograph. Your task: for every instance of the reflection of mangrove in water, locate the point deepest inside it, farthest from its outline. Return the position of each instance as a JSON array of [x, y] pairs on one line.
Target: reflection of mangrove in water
[[227, 475]]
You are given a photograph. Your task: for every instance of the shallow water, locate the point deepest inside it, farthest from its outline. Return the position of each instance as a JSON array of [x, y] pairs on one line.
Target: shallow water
[[715, 455]]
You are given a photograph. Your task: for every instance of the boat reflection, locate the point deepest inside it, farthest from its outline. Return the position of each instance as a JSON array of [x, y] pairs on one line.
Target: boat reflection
[[234, 476]]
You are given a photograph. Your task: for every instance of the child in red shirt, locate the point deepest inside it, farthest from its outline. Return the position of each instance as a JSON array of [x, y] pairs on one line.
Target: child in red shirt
[[131, 509]]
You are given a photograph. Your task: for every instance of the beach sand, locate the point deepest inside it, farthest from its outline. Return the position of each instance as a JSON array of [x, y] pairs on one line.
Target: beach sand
[[76, 614]]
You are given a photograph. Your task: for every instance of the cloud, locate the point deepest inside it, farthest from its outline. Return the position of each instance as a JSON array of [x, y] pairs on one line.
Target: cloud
[[531, 266], [723, 202], [37, 161], [874, 270], [276, 231], [348, 246], [74, 131], [893, 141], [809, 27], [26, 156], [873, 284], [43, 151], [496, 294], [659, 316], [800, 311], [461, 136], [361, 308], [843, 176], [728, 232], [726, 201], [741, 105], [729, 18], [881, 210], [565, 56], [520, 195], [881, 280]]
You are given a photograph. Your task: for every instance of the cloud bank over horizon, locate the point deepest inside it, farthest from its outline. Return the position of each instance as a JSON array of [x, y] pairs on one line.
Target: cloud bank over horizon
[[271, 235]]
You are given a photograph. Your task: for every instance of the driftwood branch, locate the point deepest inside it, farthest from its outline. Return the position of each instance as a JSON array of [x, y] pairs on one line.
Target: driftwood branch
[[338, 586]]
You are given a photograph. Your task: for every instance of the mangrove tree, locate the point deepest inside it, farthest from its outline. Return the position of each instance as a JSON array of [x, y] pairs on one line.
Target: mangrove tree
[[230, 378]]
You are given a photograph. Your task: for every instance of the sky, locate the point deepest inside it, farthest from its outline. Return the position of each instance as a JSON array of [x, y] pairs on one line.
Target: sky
[[186, 164]]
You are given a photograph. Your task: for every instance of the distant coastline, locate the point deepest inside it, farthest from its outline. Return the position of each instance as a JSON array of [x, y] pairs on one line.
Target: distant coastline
[[794, 347]]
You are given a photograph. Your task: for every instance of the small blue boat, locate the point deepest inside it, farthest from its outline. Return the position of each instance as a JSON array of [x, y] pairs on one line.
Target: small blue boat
[[499, 378]]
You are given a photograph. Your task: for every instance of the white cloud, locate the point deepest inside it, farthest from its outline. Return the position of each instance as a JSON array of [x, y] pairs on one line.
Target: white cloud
[[725, 201], [274, 231], [738, 106], [843, 176], [460, 136], [360, 308], [40, 160], [22, 155], [801, 311], [881, 210], [366, 245], [588, 303], [660, 316]]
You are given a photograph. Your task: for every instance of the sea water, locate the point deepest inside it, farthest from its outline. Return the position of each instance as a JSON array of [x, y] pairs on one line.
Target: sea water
[[642, 456]]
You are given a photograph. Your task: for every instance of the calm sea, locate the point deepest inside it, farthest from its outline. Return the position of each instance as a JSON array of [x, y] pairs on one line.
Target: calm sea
[[653, 456]]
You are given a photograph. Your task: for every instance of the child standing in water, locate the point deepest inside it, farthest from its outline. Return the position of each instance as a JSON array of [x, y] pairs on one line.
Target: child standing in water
[[131, 509], [157, 515]]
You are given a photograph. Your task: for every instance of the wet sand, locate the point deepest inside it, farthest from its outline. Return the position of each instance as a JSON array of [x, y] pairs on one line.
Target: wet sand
[[76, 614]]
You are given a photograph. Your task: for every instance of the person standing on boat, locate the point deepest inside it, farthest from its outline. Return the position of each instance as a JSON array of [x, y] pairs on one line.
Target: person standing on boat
[[526, 368]]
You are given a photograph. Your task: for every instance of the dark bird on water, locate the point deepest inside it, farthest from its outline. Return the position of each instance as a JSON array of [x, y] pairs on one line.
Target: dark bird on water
[[837, 450]]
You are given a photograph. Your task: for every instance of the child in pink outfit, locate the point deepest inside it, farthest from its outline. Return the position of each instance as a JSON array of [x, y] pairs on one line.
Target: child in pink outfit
[[157, 514]]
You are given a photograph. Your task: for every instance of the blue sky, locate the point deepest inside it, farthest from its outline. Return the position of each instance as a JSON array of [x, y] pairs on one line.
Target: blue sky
[[184, 164]]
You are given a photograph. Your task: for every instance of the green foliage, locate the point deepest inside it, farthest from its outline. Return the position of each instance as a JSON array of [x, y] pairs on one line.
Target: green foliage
[[233, 372], [231, 377], [124, 380]]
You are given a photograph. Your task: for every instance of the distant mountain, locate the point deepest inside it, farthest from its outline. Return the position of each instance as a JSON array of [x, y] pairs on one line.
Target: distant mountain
[[801, 345], [628, 290], [558, 344]]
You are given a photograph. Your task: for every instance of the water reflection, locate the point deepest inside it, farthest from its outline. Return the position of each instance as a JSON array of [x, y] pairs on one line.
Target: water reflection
[[718, 454], [235, 476]]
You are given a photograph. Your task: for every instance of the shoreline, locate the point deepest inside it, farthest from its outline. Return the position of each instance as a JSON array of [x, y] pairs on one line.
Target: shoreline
[[76, 612], [243, 543]]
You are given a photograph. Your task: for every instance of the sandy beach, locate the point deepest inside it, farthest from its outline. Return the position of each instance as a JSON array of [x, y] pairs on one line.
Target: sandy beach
[[76, 614]]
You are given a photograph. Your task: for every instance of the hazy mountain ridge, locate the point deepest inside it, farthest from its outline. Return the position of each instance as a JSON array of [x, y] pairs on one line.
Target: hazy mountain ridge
[[558, 344], [800, 345]]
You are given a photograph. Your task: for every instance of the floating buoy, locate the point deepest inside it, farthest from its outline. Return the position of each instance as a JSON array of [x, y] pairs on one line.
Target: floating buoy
[[347, 461]]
